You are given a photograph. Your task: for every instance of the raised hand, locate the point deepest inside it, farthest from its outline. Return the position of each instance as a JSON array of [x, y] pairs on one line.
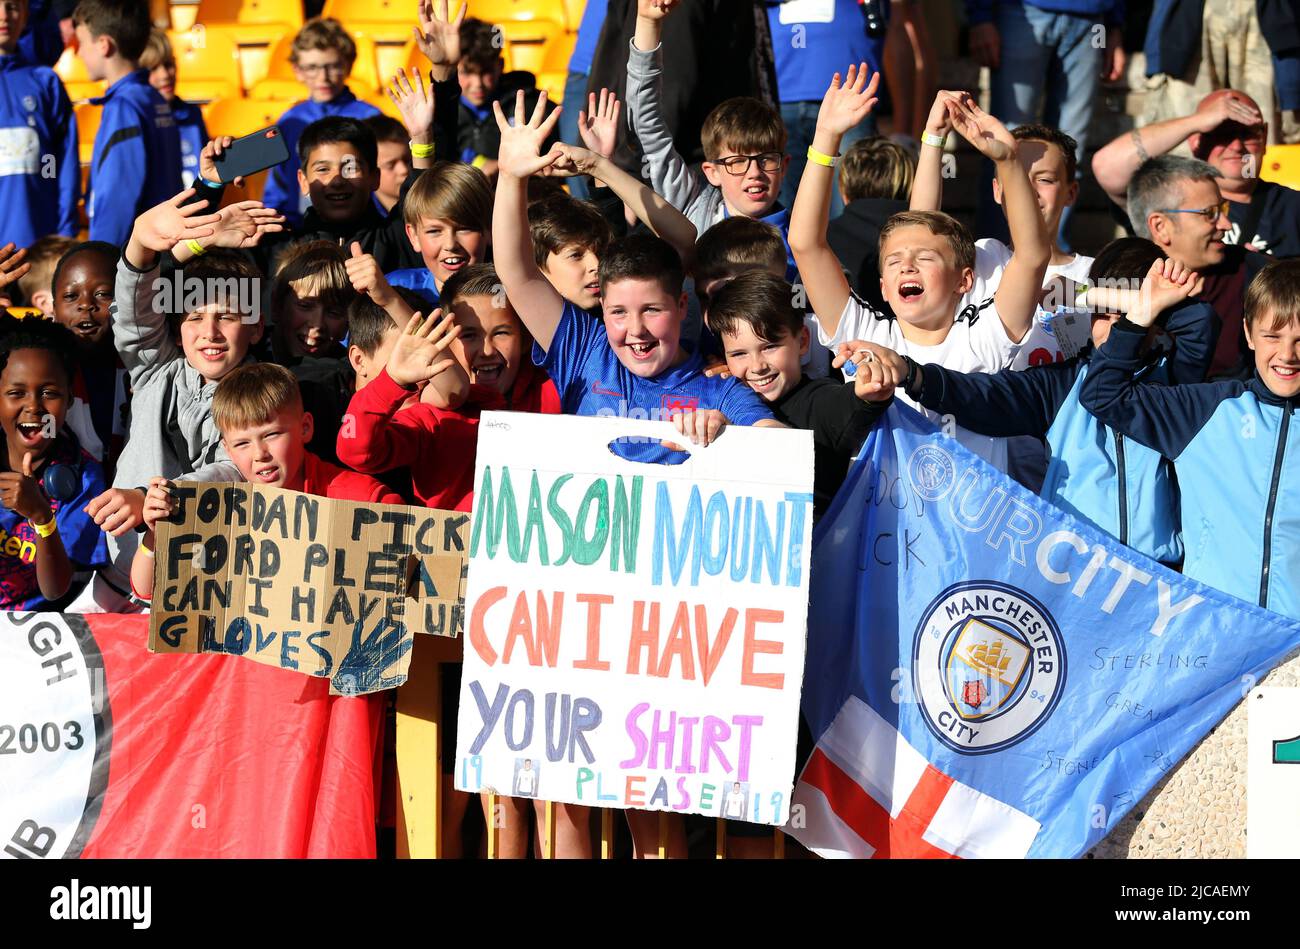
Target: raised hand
[[438, 34], [598, 125], [939, 121], [20, 493], [1227, 108], [519, 155], [418, 354], [848, 103], [208, 160], [244, 223], [1167, 284], [572, 160], [414, 102], [12, 264], [367, 277], [165, 225], [656, 9], [989, 136]]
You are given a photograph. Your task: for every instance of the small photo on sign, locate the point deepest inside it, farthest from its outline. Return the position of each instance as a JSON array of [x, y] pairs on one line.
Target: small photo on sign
[[735, 805], [525, 783]]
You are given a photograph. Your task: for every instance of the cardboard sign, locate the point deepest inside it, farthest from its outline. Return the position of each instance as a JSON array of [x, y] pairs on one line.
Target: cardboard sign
[[330, 588], [1273, 773], [636, 632]]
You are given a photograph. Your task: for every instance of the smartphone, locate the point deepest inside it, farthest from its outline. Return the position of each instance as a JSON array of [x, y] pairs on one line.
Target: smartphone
[[263, 149]]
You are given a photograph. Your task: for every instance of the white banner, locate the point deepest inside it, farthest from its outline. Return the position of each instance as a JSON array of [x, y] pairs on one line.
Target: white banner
[[635, 632]]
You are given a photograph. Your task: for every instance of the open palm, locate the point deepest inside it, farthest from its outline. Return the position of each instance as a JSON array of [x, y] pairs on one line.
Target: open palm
[[598, 126], [243, 224], [521, 143], [989, 136], [418, 354], [847, 104], [438, 35]]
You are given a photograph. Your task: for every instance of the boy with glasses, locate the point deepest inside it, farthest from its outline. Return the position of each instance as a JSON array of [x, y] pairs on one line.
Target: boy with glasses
[[322, 58], [744, 144]]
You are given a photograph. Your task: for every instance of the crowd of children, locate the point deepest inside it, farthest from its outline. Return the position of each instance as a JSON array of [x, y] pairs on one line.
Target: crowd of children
[[406, 276]]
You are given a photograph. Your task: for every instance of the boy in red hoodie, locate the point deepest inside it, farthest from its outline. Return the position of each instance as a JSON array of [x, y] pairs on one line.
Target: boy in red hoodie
[[490, 344]]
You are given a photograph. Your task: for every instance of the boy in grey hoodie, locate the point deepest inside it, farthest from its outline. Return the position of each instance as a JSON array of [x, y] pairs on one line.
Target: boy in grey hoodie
[[744, 143], [177, 335]]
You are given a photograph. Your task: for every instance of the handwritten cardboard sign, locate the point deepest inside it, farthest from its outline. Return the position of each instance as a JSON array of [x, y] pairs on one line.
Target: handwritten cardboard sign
[[635, 632], [329, 588]]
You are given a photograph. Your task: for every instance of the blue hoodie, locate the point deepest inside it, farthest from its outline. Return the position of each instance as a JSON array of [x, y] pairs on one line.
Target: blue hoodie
[[282, 192], [38, 135], [1235, 450], [137, 158], [1121, 487]]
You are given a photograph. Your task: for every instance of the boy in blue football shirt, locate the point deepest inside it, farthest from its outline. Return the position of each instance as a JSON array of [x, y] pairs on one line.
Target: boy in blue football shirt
[[36, 123], [137, 157], [632, 365], [160, 60]]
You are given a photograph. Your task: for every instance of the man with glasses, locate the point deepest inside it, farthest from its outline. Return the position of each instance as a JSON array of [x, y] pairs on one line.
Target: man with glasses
[[1176, 203], [1227, 131]]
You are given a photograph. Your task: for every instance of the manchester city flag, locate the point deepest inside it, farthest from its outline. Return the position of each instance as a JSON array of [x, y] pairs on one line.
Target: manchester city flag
[[988, 676]]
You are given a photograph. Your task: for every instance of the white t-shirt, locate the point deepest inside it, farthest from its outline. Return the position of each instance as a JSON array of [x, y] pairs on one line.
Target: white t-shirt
[[735, 806], [1039, 346], [977, 342], [527, 781]]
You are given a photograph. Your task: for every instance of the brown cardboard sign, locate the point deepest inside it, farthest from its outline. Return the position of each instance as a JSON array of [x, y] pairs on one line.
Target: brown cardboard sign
[[329, 588]]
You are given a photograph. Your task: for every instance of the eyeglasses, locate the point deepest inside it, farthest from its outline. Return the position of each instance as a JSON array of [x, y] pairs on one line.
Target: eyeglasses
[[333, 69], [1211, 214], [739, 164]]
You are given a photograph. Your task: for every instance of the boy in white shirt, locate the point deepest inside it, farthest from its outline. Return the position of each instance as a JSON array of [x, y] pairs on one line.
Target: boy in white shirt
[[1048, 156], [927, 259]]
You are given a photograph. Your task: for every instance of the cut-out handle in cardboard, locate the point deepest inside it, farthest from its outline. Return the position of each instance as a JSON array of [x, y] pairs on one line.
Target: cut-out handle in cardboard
[[652, 450]]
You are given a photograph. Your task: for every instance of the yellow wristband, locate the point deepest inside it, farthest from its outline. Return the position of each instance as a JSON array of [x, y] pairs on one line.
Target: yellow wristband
[[821, 158], [146, 549], [198, 249], [419, 150], [935, 141], [479, 161], [45, 530]]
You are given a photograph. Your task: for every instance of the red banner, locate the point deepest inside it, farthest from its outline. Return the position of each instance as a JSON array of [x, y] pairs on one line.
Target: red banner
[[107, 750]]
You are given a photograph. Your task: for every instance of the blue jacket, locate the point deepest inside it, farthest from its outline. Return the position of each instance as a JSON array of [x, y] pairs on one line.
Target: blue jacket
[[194, 135], [420, 279], [38, 135], [137, 158], [281, 192], [1118, 486], [1108, 11], [1235, 451]]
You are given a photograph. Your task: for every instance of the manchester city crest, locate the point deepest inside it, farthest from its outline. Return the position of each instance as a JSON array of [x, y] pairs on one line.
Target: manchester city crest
[[932, 472], [988, 666]]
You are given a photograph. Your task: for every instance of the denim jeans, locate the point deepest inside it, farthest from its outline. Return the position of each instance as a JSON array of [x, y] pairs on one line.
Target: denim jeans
[[1051, 66], [800, 120], [575, 101]]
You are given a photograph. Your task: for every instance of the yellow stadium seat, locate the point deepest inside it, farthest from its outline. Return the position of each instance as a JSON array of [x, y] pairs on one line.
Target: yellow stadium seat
[[75, 79], [251, 12], [1281, 165], [87, 125], [239, 117], [573, 11], [384, 104], [184, 13], [207, 65], [527, 42], [559, 50], [280, 81], [379, 11], [502, 11]]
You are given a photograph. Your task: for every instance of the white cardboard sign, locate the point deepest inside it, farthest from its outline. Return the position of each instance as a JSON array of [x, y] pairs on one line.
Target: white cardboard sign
[[635, 632], [1273, 773]]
